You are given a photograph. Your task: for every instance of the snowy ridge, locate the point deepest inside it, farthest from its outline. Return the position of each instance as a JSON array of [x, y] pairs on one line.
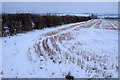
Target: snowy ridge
[[85, 49]]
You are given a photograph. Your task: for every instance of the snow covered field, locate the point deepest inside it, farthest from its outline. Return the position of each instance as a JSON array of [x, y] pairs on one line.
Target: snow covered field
[[85, 14], [85, 49]]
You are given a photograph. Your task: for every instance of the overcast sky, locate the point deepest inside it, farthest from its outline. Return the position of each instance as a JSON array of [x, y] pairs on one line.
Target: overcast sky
[[61, 7]]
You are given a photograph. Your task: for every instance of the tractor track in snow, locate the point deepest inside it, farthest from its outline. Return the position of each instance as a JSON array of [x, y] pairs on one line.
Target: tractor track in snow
[[65, 34], [55, 38]]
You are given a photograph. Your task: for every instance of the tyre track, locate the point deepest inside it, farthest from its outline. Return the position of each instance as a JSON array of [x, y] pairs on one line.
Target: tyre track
[[52, 46], [64, 34]]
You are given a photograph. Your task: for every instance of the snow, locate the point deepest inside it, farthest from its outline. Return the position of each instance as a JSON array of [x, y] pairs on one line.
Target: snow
[[102, 15], [83, 49], [0, 56]]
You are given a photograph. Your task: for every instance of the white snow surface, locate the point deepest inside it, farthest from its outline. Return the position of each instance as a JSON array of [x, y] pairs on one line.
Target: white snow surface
[[85, 49]]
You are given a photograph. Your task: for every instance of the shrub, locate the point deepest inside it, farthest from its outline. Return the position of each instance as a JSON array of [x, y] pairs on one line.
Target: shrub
[[20, 23]]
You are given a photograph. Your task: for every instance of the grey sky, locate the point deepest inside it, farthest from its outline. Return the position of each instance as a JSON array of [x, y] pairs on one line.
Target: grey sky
[[61, 7]]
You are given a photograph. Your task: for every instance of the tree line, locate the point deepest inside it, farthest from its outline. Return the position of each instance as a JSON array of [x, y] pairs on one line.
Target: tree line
[[20, 23]]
